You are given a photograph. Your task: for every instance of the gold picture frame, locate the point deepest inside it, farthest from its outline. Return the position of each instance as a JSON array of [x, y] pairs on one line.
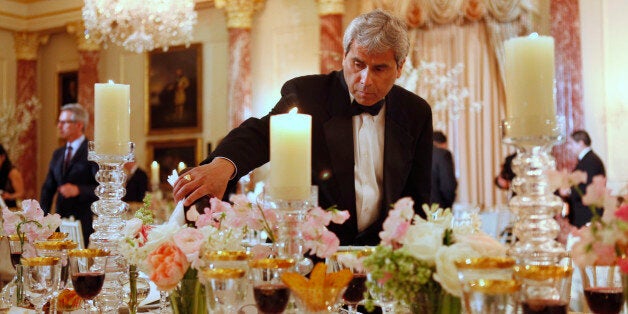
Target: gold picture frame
[[174, 90], [168, 153]]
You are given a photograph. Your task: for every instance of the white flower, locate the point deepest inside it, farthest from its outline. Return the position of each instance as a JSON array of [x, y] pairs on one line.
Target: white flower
[[423, 240], [446, 272]]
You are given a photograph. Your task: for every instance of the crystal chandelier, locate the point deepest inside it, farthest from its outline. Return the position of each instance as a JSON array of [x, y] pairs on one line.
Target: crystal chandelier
[[140, 25]]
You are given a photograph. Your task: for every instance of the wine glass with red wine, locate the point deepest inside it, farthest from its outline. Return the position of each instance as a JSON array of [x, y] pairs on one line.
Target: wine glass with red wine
[[602, 286], [352, 259], [87, 270], [270, 293]]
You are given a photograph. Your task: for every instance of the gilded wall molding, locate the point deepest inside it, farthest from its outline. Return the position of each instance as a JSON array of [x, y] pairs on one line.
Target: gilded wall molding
[[240, 12], [27, 44], [77, 28], [326, 7]]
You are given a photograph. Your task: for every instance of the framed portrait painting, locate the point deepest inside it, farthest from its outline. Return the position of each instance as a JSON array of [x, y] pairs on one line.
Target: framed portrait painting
[[174, 90], [170, 153], [67, 88]]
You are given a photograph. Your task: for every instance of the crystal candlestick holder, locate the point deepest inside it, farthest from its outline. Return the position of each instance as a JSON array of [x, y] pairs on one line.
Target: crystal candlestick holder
[[289, 239], [535, 204], [109, 223]]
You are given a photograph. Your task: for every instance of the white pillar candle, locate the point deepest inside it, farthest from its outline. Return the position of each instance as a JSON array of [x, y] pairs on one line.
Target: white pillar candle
[[181, 166], [291, 156], [154, 173], [529, 85], [112, 115]]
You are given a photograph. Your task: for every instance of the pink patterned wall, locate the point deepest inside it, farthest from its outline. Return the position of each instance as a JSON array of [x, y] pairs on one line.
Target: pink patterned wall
[[239, 98], [331, 42], [87, 77], [26, 85]]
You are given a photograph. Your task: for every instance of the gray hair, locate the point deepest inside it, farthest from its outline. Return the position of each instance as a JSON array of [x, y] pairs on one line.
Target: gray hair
[[78, 113], [378, 31]]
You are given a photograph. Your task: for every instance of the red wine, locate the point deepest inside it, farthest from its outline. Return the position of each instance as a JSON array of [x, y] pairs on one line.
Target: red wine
[[88, 285], [15, 258], [355, 291], [271, 298], [540, 306], [604, 300]]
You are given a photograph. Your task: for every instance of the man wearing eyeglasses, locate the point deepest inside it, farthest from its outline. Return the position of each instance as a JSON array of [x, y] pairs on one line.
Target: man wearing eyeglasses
[[71, 176]]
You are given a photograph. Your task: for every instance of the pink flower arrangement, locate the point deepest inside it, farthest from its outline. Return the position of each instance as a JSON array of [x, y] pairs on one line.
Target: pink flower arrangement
[[30, 224], [604, 241], [166, 252]]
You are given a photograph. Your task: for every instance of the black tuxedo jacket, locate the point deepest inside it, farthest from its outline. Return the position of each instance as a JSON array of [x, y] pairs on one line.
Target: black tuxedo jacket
[[80, 172], [407, 148], [580, 214], [444, 182], [136, 186]]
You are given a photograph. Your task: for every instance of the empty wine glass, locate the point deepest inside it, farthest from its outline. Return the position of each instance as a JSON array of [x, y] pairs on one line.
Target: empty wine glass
[[383, 298], [57, 248], [40, 277], [352, 260], [87, 270], [225, 288]]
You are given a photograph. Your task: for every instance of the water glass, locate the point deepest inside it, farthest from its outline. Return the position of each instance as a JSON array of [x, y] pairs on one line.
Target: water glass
[[544, 288], [224, 289], [488, 285], [41, 279]]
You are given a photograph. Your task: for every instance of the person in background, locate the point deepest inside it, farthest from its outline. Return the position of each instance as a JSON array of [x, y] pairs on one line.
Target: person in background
[[444, 181], [11, 182], [371, 139], [580, 144], [136, 182], [71, 177]]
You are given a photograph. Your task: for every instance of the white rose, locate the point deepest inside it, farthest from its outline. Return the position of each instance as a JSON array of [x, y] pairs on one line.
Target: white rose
[[446, 271], [423, 240]]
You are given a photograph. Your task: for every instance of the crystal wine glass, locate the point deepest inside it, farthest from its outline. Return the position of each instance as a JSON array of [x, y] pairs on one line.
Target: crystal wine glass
[[382, 298], [87, 270], [603, 288], [270, 293], [225, 287], [41, 279], [352, 259]]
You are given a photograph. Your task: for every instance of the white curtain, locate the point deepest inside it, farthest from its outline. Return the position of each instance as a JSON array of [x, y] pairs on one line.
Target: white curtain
[[470, 32]]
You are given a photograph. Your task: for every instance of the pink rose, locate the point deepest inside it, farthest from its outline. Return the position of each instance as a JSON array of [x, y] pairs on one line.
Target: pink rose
[[167, 266], [623, 264], [622, 213], [189, 240]]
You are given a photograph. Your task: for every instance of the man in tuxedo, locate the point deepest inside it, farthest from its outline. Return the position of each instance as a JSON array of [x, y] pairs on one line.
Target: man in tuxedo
[[371, 139], [444, 181], [136, 182], [580, 144], [70, 175]]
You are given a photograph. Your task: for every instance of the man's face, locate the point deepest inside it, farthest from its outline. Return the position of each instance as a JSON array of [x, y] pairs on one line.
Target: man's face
[[370, 76], [69, 129]]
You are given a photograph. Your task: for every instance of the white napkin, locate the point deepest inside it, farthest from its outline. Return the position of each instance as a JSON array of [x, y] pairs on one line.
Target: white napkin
[[178, 215]]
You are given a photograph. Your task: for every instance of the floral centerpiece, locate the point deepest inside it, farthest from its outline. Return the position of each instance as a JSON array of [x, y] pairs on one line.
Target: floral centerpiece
[[415, 260], [30, 225], [171, 254]]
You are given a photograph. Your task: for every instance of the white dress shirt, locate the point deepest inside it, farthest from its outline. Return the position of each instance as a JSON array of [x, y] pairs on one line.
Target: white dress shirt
[[368, 148]]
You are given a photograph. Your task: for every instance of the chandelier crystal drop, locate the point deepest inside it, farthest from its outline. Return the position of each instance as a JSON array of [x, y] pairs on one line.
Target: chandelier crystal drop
[[140, 25]]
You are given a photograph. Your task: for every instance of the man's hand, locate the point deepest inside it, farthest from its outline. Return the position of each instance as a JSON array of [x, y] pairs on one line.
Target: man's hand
[[69, 190], [210, 179]]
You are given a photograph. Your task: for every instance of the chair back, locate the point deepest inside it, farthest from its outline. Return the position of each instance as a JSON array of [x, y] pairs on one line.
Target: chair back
[[74, 230]]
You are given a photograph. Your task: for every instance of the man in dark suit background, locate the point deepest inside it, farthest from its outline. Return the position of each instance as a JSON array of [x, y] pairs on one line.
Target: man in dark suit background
[[589, 162], [136, 182], [361, 161], [444, 181], [70, 175]]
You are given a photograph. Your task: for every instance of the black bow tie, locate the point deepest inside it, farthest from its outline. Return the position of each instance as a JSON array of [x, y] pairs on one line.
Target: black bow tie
[[373, 110]]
